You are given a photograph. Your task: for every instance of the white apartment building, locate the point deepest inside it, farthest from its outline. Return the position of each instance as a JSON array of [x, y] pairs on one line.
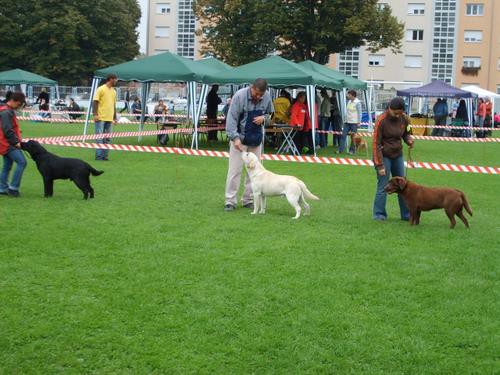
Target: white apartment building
[[428, 46], [171, 27]]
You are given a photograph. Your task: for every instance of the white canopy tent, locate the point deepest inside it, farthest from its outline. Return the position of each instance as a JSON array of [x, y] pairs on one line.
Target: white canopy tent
[[482, 93]]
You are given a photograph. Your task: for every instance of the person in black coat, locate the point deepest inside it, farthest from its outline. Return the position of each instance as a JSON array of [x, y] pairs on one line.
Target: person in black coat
[[213, 101]]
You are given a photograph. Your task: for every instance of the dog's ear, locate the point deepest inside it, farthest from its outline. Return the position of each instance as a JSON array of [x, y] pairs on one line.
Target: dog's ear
[[401, 181]]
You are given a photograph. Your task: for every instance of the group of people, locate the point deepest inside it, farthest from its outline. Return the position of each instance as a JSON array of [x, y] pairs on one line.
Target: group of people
[[252, 108], [483, 117]]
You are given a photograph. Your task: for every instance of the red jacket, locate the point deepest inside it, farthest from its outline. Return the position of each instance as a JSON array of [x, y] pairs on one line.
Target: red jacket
[[299, 116], [4, 142]]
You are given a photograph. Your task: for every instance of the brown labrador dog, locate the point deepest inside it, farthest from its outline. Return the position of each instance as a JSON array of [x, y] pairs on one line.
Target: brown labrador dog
[[420, 198]]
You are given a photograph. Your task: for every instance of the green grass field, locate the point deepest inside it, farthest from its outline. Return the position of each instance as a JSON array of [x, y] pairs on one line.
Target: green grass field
[[153, 277]]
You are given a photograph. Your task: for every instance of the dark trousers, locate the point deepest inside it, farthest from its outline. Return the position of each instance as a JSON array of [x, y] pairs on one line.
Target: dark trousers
[[212, 134], [303, 139], [439, 120]]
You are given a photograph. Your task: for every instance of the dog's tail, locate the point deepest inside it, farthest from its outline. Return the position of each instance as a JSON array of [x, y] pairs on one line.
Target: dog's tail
[[306, 192], [466, 203], [95, 172]]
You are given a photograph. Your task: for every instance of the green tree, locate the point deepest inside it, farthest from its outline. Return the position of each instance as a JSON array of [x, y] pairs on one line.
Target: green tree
[[67, 40], [240, 31]]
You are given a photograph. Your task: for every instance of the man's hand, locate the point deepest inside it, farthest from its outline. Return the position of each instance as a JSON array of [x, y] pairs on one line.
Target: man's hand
[[410, 143], [381, 172], [18, 145], [96, 118], [259, 120], [238, 145]]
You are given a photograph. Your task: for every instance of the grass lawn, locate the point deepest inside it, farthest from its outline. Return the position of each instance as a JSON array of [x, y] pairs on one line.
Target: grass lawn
[[153, 277]]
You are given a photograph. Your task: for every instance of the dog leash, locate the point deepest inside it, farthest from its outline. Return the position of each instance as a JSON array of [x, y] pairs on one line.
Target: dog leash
[[409, 162]]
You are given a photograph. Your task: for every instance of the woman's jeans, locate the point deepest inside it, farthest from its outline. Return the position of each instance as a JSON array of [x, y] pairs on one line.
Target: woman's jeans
[[13, 156], [393, 167]]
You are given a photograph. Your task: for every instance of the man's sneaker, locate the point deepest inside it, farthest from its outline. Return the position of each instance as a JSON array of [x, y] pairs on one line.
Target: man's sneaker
[[13, 193], [229, 208], [248, 205]]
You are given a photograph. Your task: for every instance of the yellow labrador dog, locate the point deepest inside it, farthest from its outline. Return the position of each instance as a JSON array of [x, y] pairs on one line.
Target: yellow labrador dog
[[265, 184]]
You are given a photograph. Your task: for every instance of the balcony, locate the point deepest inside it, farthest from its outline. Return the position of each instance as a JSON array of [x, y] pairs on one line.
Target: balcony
[[470, 70]]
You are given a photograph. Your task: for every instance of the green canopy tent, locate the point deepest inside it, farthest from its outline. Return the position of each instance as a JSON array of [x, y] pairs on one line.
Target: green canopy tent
[[347, 81], [23, 77], [165, 67], [278, 72]]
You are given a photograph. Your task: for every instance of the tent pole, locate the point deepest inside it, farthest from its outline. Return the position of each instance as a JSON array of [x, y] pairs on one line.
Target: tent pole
[[95, 83], [311, 100], [144, 96]]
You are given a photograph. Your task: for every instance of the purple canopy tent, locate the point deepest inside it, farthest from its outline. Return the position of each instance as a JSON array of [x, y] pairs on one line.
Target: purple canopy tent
[[440, 89]]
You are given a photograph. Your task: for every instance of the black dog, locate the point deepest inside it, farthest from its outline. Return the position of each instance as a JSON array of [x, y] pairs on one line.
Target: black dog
[[53, 167]]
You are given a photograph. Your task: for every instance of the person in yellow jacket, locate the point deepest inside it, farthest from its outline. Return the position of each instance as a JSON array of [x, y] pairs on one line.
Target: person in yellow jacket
[[282, 106]]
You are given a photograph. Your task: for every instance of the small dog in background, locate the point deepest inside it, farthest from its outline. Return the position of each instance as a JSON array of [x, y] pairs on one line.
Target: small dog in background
[[53, 167], [420, 198], [359, 143], [265, 183]]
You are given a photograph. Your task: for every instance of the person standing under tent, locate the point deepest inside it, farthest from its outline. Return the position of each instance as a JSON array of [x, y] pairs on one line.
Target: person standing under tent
[[44, 95], [10, 145], [391, 128], [325, 118], [282, 108], [488, 118], [480, 117], [213, 101], [104, 109], [353, 119], [440, 110], [336, 120], [301, 121], [251, 109]]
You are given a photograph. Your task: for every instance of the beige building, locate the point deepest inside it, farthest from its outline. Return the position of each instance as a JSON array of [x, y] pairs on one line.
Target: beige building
[[478, 47], [441, 37], [171, 28]]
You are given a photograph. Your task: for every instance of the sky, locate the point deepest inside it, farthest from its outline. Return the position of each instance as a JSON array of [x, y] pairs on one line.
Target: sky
[[143, 24]]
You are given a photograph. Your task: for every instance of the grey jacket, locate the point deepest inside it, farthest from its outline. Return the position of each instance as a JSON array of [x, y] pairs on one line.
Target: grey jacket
[[241, 103]]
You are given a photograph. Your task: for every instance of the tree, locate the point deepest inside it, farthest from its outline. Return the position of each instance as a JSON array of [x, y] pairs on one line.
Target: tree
[[240, 31], [67, 40]]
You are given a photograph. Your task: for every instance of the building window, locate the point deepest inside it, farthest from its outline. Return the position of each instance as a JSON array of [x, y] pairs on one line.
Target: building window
[[415, 35], [413, 61], [376, 60], [443, 46], [416, 9], [162, 32], [473, 36], [158, 51], [475, 9], [498, 89], [472, 62], [349, 62], [163, 8], [498, 64]]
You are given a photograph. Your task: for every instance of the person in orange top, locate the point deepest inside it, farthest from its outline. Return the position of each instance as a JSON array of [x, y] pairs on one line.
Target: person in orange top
[[488, 117], [390, 129], [481, 115], [299, 117]]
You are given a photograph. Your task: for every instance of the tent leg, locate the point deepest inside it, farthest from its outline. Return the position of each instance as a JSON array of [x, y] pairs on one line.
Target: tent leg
[[144, 97], [95, 83], [311, 102]]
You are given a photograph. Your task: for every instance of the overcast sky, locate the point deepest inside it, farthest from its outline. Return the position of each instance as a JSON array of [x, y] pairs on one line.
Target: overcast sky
[[143, 24]]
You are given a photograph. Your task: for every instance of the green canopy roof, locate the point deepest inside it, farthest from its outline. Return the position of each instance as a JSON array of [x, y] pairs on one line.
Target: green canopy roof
[[213, 63], [165, 67], [348, 81], [19, 76], [278, 72]]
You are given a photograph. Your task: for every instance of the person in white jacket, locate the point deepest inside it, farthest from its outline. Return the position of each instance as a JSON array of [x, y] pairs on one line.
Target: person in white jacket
[[353, 119]]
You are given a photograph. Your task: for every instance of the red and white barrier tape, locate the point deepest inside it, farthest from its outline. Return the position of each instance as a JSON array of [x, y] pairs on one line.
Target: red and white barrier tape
[[272, 157], [127, 134], [120, 114], [425, 137]]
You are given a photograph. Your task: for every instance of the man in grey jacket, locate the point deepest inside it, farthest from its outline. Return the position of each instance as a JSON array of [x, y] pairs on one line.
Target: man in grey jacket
[[250, 111]]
